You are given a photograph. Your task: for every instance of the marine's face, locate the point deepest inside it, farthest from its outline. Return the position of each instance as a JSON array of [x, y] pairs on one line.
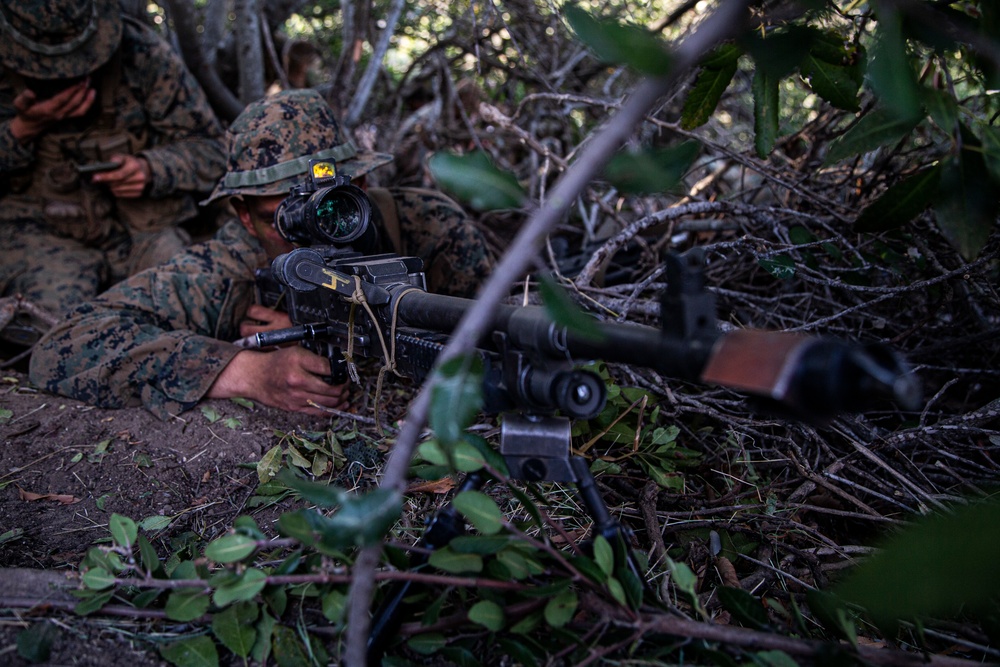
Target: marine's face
[[257, 215]]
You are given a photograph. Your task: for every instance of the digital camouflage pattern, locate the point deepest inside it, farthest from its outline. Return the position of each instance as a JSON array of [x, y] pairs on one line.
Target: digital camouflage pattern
[[50, 39], [157, 105], [271, 142], [161, 337]]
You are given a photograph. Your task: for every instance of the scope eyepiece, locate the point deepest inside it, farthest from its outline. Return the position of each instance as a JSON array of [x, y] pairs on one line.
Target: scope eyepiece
[[333, 213]]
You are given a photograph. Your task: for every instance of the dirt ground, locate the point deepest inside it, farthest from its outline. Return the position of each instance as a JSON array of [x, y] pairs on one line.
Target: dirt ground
[[66, 467]]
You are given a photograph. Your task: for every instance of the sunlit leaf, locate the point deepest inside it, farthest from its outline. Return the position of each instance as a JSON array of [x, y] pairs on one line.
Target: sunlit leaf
[[620, 44], [475, 180], [716, 73], [487, 614], [191, 652], [900, 203], [651, 171], [481, 511]]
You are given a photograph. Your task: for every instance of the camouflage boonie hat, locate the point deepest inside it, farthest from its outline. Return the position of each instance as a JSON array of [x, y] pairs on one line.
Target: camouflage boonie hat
[[273, 139], [58, 39]]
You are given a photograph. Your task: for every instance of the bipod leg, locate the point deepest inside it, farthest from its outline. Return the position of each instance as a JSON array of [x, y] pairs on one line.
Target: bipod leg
[[605, 525], [446, 524]]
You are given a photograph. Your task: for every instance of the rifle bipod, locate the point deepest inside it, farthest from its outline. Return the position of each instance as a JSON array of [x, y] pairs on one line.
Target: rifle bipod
[[536, 449]]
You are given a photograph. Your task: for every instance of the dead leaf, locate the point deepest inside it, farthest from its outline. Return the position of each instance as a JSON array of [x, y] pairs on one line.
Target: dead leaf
[[443, 485], [63, 498]]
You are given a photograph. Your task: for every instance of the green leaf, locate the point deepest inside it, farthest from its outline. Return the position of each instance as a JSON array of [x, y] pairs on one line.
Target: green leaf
[[620, 44], [604, 556], [765, 112], [93, 602], [456, 563], [833, 614], [269, 464], [481, 511], [892, 77], [334, 606], [745, 608], [191, 652], [967, 206], [427, 643], [934, 567], [186, 605], [230, 548], [774, 659], [123, 530], [457, 397], [34, 644], [211, 414], [560, 608], [97, 578], [651, 170], [234, 627], [487, 614], [900, 203], [713, 79], [244, 587], [877, 128], [475, 180], [779, 266], [835, 84], [564, 312]]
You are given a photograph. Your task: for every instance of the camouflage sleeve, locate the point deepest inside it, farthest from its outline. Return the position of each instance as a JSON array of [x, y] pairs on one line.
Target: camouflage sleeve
[[457, 258], [186, 152], [156, 339]]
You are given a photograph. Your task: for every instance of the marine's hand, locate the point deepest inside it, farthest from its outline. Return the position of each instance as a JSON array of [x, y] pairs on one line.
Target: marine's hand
[[34, 116], [261, 318], [129, 180], [288, 378]]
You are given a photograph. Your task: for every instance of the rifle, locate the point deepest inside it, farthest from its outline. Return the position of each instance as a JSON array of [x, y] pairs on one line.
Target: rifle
[[345, 303]]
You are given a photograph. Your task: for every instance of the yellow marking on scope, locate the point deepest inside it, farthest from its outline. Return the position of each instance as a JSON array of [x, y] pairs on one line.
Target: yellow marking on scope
[[336, 279], [324, 170]]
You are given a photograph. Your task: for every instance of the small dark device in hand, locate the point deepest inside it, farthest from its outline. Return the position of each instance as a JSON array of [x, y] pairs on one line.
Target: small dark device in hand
[[46, 88], [96, 167]]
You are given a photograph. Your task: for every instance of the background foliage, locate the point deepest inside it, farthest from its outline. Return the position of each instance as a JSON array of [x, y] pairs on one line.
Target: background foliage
[[838, 162]]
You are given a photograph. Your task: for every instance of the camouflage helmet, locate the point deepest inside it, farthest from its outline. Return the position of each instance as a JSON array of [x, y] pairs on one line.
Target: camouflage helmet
[[58, 39], [273, 139]]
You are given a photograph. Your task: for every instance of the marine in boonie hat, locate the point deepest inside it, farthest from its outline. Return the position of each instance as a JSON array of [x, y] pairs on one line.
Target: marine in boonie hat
[[58, 39], [272, 141]]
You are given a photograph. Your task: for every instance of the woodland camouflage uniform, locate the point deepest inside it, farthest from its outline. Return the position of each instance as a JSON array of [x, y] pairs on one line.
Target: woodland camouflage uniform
[[162, 337], [63, 239]]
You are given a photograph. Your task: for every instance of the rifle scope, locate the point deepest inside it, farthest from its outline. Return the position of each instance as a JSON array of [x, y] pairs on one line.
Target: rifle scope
[[337, 214]]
